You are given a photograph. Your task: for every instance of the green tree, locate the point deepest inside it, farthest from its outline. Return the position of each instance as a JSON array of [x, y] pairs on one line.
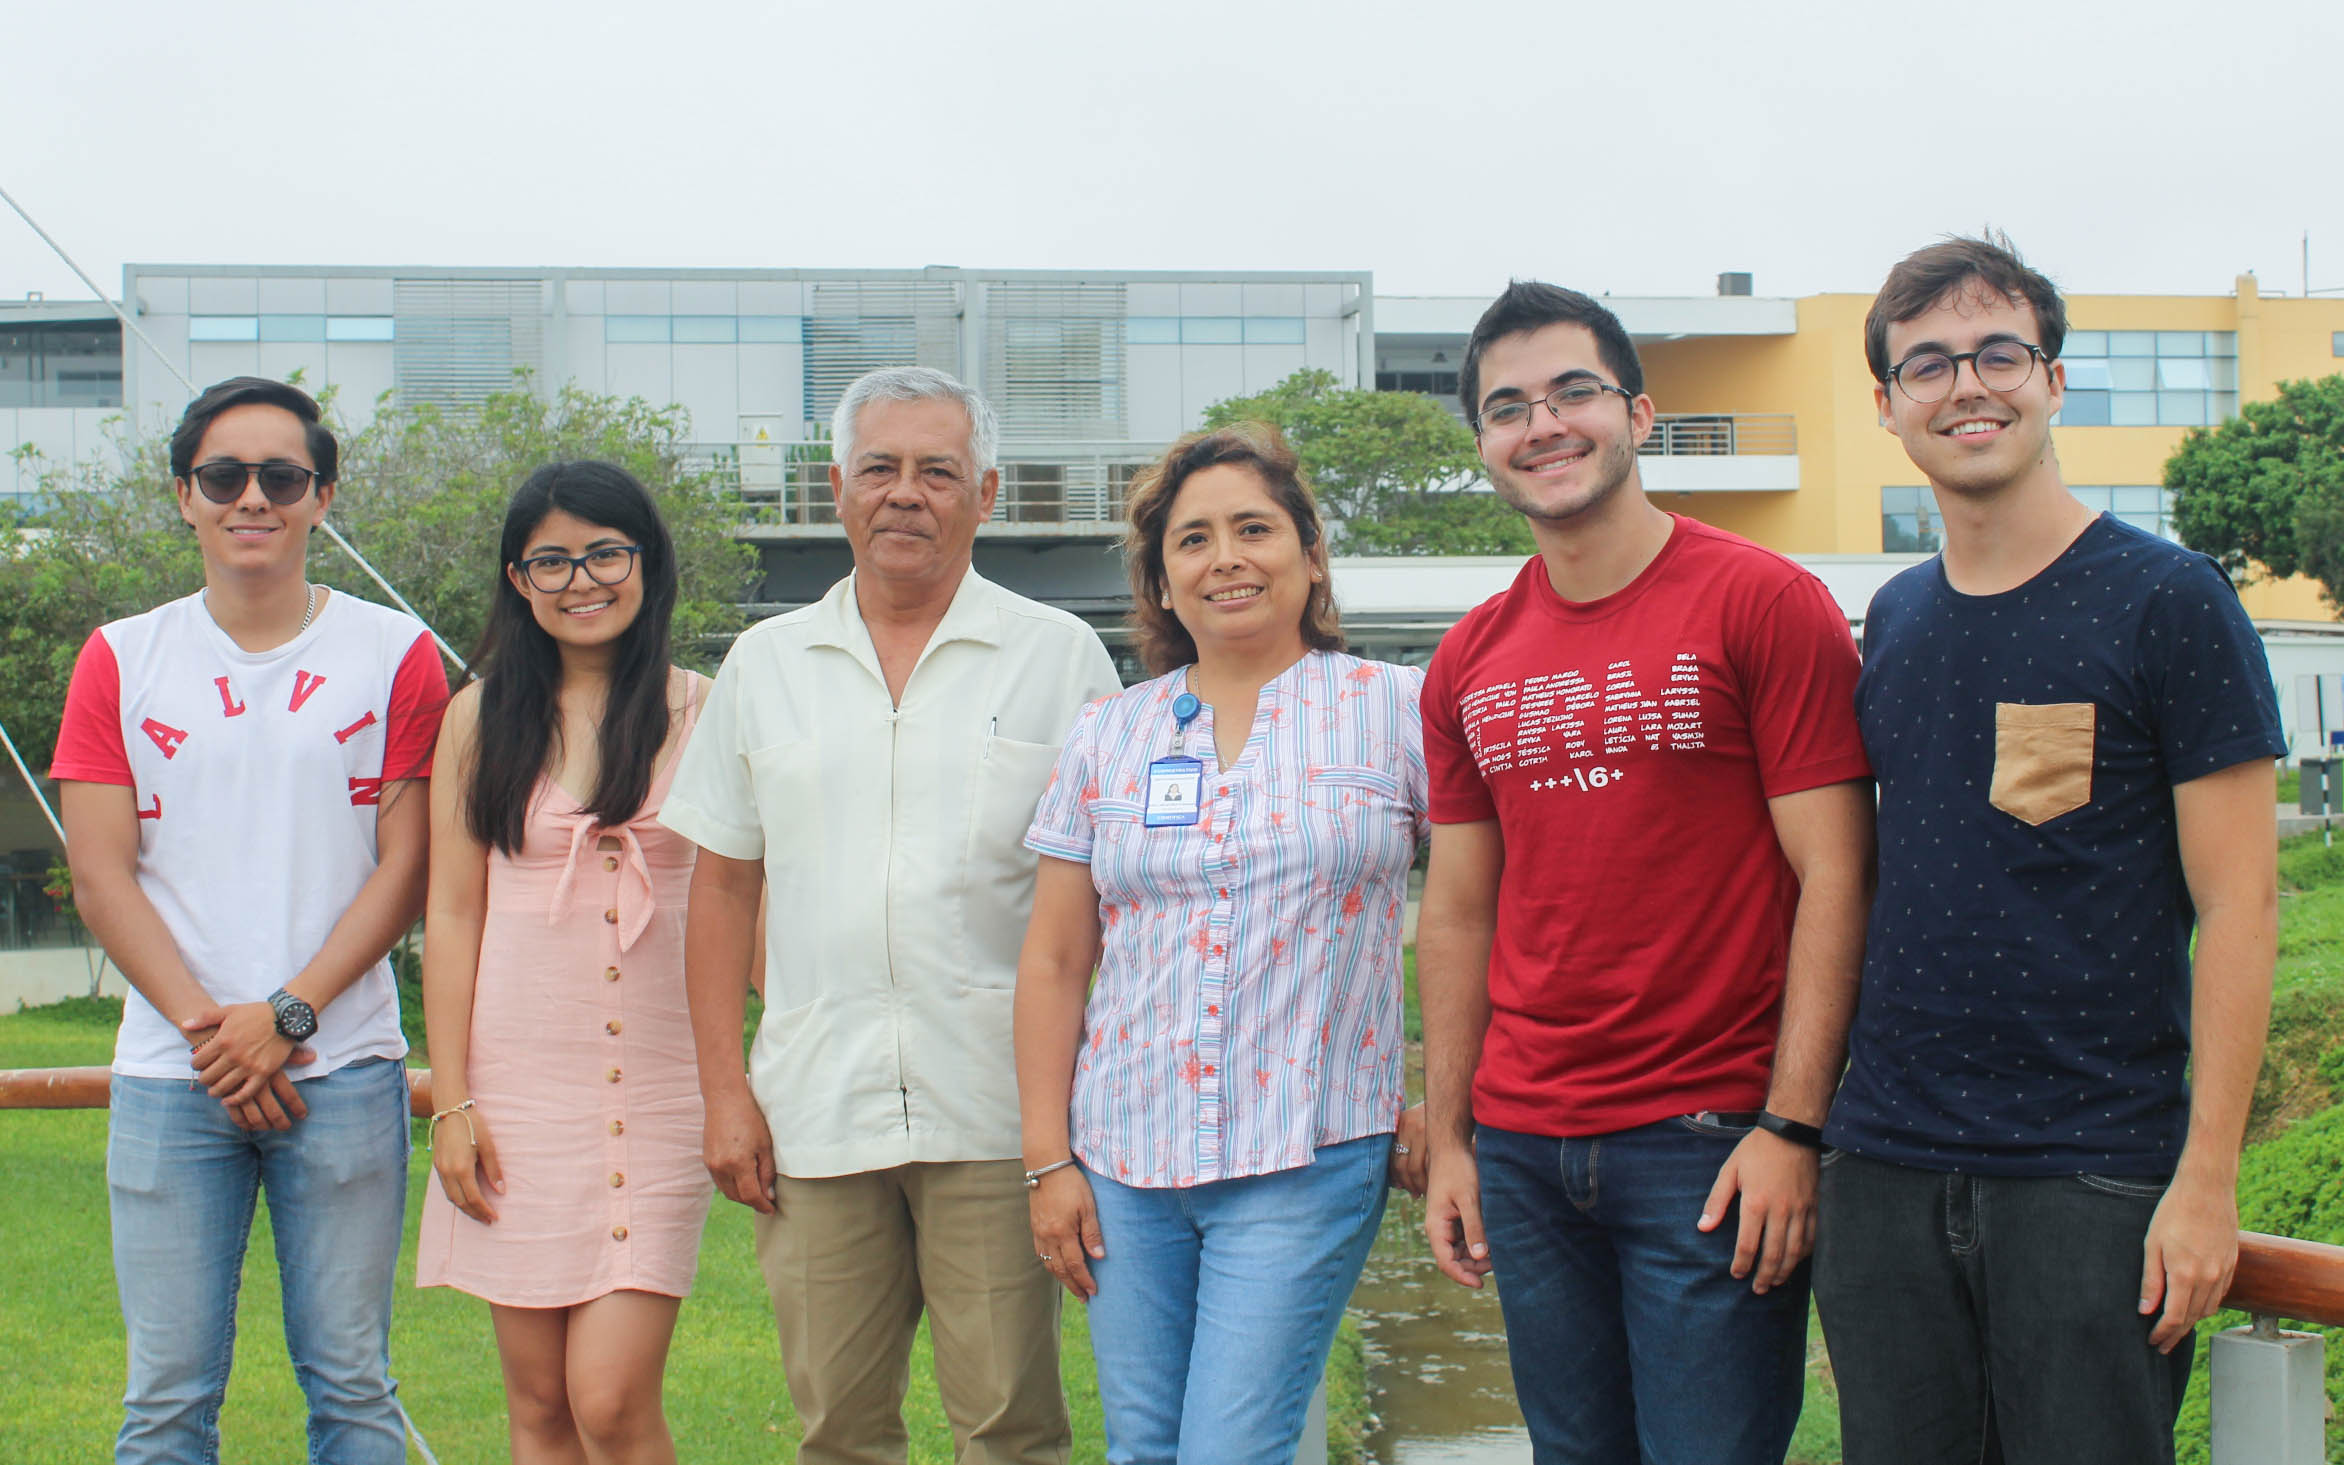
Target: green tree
[[100, 550], [424, 490], [1394, 473], [2264, 492], [422, 497]]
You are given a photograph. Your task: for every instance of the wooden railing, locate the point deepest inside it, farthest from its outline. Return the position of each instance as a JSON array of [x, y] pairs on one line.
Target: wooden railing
[[2278, 1276]]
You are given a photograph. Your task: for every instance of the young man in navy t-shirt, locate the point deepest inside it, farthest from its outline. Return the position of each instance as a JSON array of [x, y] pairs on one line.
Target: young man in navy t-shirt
[[2072, 723]]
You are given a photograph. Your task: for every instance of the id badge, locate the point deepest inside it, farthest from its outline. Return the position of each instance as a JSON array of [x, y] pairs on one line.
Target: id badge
[[1176, 786]]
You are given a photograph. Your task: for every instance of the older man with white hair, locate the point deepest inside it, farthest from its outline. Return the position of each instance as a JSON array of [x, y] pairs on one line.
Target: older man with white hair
[[872, 761]]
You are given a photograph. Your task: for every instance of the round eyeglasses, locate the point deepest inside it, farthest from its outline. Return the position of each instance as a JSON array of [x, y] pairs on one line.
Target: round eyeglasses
[[283, 484], [551, 574], [2002, 366], [1570, 397]]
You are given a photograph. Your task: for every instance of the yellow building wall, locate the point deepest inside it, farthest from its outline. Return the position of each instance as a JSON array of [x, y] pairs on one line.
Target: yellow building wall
[[1846, 457]]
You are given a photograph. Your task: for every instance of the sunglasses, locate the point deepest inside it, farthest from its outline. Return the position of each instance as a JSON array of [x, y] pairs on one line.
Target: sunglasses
[[284, 484]]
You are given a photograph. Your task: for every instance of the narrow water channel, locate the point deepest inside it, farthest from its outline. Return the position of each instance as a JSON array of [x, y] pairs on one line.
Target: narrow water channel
[[1436, 1357]]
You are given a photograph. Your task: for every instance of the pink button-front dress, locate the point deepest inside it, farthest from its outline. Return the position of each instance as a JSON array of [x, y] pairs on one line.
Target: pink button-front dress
[[582, 1066]]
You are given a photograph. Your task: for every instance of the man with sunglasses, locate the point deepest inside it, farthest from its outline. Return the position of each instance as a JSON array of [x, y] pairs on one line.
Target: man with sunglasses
[[2073, 725], [240, 780], [1641, 928]]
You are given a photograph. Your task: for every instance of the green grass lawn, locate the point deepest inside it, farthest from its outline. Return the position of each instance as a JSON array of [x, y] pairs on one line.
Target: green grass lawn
[[62, 1334]]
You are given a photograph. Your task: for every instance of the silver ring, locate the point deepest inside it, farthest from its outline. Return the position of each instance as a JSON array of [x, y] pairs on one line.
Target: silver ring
[[1042, 1255], [1398, 1148]]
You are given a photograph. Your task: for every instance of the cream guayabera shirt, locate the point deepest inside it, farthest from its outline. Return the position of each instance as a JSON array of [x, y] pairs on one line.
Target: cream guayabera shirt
[[898, 882]]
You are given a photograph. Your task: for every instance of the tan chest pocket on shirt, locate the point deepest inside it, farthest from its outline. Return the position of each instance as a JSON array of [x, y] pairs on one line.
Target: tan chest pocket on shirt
[[2042, 759]]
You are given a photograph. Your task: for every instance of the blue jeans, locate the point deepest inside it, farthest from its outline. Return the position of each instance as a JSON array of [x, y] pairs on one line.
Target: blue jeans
[[1631, 1339], [1217, 1304], [1982, 1317], [182, 1178]]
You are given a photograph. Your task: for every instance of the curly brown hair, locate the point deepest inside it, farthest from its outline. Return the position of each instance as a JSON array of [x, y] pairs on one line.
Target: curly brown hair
[[1164, 644]]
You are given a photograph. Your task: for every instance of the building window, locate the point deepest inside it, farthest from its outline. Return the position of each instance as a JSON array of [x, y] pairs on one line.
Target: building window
[[720, 330], [636, 329], [360, 328], [1908, 522], [2144, 506], [772, 328], [1152, 330], [2336, 344], [1274, 330], [65, 364], [2149, 378], [292, 327], [223, 328], [1431, 383]]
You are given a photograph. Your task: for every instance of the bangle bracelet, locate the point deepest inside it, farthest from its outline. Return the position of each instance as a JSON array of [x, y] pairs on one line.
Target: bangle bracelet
[[431, 1133], [1791, 1129], [1033, 1178]]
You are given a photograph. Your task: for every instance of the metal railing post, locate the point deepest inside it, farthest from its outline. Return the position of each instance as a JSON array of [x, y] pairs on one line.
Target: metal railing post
[[1313, 1447], [2268, 1404]]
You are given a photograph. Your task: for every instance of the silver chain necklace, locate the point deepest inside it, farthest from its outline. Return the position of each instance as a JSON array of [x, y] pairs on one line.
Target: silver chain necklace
[[309, 600]]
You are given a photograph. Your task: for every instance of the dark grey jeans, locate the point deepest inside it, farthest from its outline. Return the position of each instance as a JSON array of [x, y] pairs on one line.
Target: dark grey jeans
[[1987, 1319]]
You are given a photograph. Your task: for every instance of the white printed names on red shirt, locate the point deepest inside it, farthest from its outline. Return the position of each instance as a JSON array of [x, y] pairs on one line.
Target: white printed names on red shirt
[[1570, 718]]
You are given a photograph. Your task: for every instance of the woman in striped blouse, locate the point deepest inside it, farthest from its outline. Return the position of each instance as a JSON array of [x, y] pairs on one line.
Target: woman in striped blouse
[[1209, 1137]]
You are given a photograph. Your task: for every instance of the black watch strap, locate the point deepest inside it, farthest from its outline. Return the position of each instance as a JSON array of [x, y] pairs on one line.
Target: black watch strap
[[1791, 1129]]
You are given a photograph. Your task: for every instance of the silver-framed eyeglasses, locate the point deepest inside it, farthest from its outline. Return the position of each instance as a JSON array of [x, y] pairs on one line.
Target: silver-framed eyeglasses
[[609, 564], [1570, 397], [2002, 366]]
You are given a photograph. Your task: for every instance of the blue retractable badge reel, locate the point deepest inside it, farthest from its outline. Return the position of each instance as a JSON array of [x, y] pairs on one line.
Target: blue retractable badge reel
[[1176, 785]]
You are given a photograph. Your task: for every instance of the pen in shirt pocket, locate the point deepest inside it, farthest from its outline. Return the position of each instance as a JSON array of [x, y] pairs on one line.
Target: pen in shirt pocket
[[992, 730]]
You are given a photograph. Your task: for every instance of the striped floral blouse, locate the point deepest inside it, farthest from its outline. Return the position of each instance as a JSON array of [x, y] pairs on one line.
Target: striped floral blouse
[[1247, 1007]]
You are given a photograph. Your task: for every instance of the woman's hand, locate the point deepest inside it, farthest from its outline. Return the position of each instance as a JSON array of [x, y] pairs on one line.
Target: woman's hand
[[464, 1156], [1408, 1152], [1066, 1229]]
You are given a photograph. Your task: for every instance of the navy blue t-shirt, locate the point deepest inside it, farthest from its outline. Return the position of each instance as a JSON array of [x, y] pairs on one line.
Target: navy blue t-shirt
[[2025, 1004]]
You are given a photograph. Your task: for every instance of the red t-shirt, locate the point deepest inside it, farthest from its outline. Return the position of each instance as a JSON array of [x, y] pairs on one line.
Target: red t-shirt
[[1627, 747]]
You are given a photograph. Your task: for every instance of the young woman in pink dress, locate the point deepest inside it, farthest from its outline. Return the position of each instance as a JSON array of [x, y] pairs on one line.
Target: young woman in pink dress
[[567, 1134]]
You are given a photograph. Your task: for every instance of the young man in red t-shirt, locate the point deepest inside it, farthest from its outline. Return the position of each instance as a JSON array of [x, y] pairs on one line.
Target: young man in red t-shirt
[[1642, 927], [241, 774]]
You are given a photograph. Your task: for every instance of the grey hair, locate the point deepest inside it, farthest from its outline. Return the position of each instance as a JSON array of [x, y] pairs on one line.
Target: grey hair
[[915, 384]]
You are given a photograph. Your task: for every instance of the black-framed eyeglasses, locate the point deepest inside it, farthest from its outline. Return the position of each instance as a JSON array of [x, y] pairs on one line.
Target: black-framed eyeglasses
[[1570, 397], [2002, 366], [284, 484], [551, 574]]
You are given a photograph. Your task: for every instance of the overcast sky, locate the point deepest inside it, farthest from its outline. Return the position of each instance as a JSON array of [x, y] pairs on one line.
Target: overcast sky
[[1636, 148]]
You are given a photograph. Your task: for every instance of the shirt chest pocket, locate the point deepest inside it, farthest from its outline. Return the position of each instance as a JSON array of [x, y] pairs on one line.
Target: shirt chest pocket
[[2042, 759], [1357, 823]]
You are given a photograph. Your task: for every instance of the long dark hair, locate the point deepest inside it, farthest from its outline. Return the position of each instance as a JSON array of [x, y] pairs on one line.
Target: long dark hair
[[520, 666]]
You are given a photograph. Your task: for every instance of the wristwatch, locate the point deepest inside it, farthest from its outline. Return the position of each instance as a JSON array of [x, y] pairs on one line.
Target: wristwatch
[[296, 1019], [1790, 1129]]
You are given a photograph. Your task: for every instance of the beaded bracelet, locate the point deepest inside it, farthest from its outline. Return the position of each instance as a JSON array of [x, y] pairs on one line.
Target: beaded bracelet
[[432, 1133]]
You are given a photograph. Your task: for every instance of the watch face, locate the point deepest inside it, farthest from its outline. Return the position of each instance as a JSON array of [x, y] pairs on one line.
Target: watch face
[[296, 1019]]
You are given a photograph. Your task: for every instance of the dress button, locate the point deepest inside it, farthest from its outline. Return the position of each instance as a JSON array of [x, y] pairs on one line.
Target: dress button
[[617, 1180], [612, 1076], [618, 1233], [611, 1027], [618, 1126], [610, 973], [611, 917], [610, 862]]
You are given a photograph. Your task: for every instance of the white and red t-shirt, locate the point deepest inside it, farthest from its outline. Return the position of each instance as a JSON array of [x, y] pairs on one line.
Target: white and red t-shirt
[[1627, 747], [258, 776]]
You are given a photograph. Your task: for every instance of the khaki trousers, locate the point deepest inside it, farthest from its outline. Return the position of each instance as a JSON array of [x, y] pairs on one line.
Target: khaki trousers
[[852, 1260]]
